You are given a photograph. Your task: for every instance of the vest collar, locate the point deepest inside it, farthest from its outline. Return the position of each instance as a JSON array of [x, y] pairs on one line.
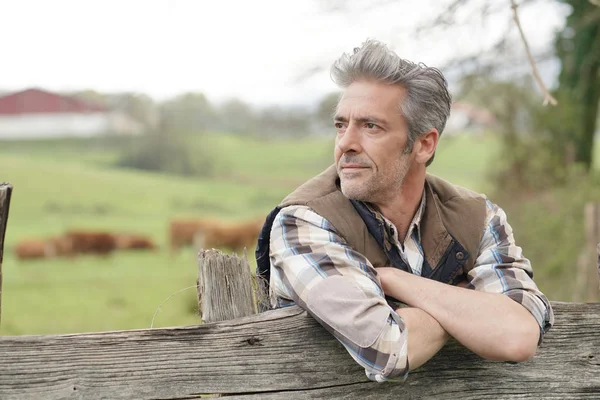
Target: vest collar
[[414, 224], [436, 238]]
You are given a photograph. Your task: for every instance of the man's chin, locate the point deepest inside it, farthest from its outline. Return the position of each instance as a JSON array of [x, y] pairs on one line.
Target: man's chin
[[352, 191]]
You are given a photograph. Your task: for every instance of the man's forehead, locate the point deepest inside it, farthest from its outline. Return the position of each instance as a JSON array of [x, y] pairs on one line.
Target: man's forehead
[[349, 95], [364, 104], [376, 97], [365, 101]]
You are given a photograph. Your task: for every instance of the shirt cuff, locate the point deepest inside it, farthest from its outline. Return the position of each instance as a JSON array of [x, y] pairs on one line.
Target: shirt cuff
[[539, 307], [396, 369]]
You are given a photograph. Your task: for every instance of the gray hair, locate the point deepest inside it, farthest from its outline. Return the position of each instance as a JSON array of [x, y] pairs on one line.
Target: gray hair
[[427, 103]]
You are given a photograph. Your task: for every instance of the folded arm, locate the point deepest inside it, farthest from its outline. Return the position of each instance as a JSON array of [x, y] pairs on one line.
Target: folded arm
[[313, 267], [426, 335], [504, 317]]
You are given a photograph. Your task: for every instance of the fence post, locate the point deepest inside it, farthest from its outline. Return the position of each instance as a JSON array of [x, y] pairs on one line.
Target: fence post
[[5, 193], [592, 233], [598, 258], [225, 288]]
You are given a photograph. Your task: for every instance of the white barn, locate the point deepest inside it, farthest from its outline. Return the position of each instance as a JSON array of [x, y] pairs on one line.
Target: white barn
[[39, 114]]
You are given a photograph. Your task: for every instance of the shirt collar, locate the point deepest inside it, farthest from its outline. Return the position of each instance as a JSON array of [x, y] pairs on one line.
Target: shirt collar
[[414, 225]]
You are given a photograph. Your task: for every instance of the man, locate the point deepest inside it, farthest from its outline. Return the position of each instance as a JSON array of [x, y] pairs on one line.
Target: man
[[375, 225]]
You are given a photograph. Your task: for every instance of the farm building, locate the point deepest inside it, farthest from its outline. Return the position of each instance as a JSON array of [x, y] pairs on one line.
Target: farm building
[[39, 114], [469, 118]]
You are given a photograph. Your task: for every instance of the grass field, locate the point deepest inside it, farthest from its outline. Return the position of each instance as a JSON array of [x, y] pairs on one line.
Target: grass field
[[73, 184]]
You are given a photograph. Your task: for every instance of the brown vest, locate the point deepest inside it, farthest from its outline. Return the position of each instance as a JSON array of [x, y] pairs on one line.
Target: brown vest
[[451, 213]]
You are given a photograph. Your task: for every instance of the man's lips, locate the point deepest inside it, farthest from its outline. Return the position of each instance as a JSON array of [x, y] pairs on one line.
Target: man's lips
[[353, 166]]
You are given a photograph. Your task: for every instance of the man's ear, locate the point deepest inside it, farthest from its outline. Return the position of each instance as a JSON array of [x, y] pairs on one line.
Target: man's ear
[[425, 146]]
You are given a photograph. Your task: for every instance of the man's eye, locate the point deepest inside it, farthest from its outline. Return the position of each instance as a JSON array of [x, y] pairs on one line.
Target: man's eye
[[371, 125], [338, 125]]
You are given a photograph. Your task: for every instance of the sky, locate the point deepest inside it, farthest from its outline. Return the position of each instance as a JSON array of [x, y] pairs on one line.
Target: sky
[[257, 50]]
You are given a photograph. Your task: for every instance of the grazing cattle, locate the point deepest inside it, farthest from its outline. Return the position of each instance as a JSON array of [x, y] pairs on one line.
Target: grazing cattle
[[230, 235], [34, 248], [63, 245], [80, 242], [182, 231], [209, 233], [44, 248], [134, 242], [92, 242]]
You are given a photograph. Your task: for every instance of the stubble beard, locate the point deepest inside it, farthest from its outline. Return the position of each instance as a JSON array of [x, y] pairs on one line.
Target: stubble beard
[[374, 187]]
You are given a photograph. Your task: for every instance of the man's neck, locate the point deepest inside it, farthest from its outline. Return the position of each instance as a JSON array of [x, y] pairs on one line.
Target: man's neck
[[400, 208]]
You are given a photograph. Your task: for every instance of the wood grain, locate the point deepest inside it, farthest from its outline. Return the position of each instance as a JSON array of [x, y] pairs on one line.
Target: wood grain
[[224, 286], [285, 354]]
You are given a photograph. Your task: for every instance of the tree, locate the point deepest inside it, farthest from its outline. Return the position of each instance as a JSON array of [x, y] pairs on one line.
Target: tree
[[578, 47], [138, 106], [166, 149], [189, 113], [573, 124], [236, 116], [326, 108], [280, 121], [532, 157]]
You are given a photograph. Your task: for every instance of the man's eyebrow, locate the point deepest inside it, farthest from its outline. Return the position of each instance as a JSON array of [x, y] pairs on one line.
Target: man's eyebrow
[[366, 118]]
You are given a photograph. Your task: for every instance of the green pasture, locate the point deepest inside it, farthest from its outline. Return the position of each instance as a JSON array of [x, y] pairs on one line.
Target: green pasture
[[69, 184]]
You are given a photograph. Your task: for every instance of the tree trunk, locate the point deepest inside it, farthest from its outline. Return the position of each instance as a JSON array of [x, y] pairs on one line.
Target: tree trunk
[[579, 83]]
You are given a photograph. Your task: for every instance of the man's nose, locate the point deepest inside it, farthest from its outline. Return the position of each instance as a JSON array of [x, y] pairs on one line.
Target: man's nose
[[349, 140]]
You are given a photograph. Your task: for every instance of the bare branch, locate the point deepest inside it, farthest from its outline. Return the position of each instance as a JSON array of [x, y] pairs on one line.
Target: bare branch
[[446, 18], [547, 96], [309, 73]]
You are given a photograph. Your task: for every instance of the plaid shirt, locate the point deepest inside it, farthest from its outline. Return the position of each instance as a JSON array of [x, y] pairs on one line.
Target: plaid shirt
[[313, 267]]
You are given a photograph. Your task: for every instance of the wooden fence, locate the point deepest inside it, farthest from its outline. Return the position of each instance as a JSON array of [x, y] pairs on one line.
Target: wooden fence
[[285, 354], [282, 354], [5, 193], [587, 285]]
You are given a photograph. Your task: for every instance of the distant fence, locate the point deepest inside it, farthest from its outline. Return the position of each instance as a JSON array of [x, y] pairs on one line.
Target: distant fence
[[281, 354]]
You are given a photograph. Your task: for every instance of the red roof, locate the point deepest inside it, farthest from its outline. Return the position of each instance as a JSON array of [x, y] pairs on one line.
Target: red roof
[[32, 101]]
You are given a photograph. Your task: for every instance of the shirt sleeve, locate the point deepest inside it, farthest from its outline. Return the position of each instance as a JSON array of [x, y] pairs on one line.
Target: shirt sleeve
[[501, 268], [313, 267]]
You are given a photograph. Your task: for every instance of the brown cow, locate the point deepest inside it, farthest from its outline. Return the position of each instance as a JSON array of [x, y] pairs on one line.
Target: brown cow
[[182, 231], [92, 242], [63, 245], [230, 235], [43, 248], [208, 233], [34, 248], [134, 242]]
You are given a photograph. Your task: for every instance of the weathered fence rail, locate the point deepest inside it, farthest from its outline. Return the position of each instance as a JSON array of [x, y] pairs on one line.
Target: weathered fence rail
[[285, 354]]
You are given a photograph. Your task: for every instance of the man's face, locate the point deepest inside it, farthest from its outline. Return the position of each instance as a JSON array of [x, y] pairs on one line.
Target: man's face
[[370, 142]]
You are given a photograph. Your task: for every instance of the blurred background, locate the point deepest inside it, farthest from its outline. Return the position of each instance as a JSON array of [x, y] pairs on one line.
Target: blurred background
[[125, 123]]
